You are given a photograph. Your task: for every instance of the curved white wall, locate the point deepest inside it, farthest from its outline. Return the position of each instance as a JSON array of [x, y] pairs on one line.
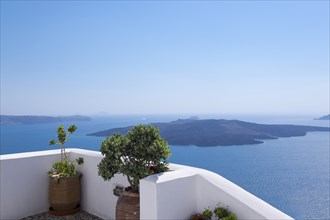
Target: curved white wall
[[24, 184], [171, 195], [97, 194], [186, 190]]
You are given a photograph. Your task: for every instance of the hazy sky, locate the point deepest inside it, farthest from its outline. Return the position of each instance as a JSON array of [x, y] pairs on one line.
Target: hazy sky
[[239, 57]]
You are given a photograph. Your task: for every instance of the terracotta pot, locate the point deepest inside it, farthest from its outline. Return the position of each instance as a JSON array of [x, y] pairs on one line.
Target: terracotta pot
[[197, 217], [128, 206], [64, 193]]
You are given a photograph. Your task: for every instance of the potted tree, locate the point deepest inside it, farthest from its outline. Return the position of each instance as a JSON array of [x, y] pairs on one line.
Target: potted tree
[[64, 184], [140, 153]]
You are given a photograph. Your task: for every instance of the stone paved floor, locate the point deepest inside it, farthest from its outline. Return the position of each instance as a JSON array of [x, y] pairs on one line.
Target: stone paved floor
[[81, 215]]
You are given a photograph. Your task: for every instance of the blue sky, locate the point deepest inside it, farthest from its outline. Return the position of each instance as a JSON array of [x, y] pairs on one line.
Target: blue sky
[[186, 57]]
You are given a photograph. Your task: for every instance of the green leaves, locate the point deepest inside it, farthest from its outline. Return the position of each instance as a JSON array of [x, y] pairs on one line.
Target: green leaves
[[62, 135], [221, 212], [63, 169], [52, 142], [80, 160], [111, 148], [207, 214], [140, 153], [72, 129]]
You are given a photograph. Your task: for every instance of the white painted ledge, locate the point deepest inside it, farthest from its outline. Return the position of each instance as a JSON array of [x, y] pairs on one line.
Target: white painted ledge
[[186, 190], [171, 195]]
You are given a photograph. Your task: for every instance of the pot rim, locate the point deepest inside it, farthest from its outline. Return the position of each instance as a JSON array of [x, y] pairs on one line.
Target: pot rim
[[67, 177], [130, 194]]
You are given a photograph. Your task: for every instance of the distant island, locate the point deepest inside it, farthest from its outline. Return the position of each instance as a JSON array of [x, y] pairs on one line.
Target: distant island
[[326, 117], [29, 119], [221, 132]]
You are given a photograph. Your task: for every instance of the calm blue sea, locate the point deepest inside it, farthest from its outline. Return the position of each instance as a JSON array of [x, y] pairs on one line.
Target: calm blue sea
[[291, 174]]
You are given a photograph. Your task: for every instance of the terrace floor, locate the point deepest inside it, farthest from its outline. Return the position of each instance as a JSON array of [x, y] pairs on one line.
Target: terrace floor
[[78, 216]]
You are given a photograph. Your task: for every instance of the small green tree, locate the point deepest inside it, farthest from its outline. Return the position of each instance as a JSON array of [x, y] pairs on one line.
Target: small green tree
[[62, 137], [140, 153], [64, 168]]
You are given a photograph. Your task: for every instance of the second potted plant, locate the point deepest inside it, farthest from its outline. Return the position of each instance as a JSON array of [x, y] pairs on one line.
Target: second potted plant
[[140, 153], [64, 184]]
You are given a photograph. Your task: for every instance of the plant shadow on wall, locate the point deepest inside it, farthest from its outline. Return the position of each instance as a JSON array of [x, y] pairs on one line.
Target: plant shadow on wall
[[142, 152], [64, 185]]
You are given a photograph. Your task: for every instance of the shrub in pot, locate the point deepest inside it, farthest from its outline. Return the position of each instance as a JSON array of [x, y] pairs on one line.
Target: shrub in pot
[[140, 153], [64, 184]]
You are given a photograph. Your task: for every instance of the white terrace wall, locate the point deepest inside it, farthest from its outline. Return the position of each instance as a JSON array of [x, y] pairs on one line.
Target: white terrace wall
[[186, 190], [172, 195], [163, 197], [97, 194], [24, 184]]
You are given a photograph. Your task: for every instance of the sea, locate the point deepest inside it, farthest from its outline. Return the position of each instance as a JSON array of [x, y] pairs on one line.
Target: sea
[[291, 174]]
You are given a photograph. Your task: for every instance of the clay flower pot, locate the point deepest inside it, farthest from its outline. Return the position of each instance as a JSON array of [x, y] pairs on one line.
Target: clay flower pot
[[64, 192], [128, 206]]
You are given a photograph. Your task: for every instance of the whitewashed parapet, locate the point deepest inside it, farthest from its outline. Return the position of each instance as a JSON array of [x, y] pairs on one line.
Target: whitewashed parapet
[[24, 184], [97, 194], [172, 195], [186, 190]]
